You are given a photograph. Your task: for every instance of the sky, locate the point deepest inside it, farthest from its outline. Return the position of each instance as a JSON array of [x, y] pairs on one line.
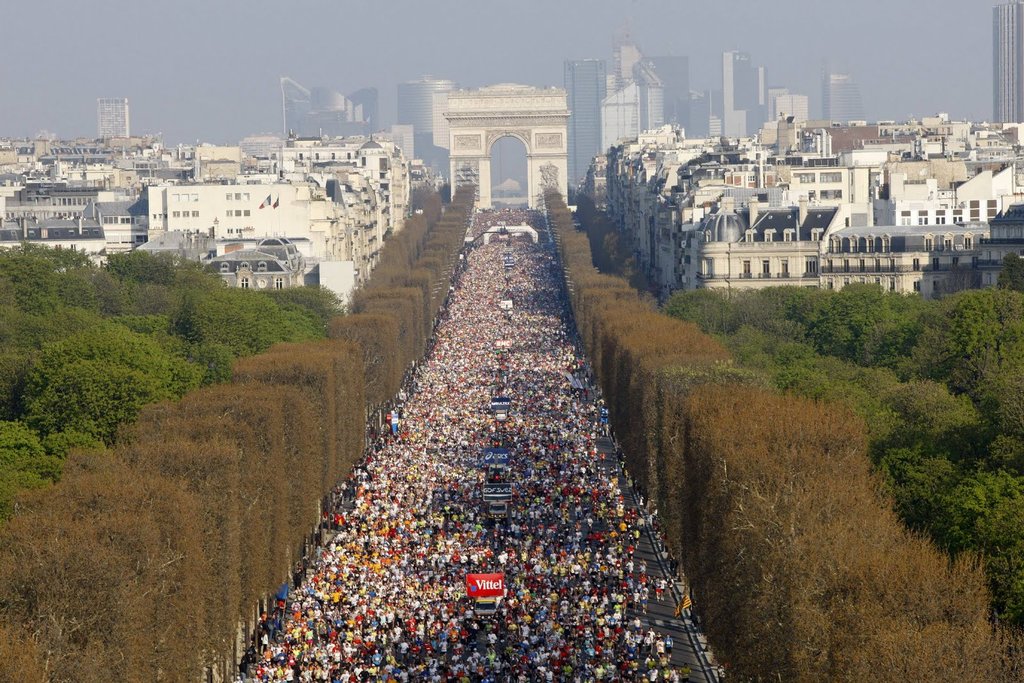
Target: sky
[[208, 70]]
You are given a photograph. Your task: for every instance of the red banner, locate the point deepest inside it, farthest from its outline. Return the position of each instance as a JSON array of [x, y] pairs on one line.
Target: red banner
[[485, 585]]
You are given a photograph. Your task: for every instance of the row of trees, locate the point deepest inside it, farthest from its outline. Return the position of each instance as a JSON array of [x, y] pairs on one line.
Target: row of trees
[[146, 560], [83, 348], [799, 568], [940, 385]]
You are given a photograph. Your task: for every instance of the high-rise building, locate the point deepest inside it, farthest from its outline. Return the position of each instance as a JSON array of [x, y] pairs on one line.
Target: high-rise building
[[586, 88], [650, 96], [324, 111], [365, 99], [620, 115], [743, 95], [625, 55], [1008, 61], [782, 102], [840, 98], [416, 102], [417, 107], [674, 73], [112, 117]]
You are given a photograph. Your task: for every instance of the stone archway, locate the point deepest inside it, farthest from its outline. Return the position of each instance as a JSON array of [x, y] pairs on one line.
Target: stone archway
[[537, 117]]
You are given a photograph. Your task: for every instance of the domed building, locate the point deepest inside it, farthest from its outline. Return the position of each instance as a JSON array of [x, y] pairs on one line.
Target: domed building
[[753, 248]]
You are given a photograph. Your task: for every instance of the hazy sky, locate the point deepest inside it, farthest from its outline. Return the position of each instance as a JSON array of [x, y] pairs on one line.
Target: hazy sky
[[209, 69]]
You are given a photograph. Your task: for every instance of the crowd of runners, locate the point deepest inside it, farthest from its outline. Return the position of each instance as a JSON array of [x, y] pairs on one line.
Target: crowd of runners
[[386, 600]]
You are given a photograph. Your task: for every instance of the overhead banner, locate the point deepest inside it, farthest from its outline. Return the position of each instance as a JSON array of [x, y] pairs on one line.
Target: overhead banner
[[495, 456], [498, 493], [485, 585]]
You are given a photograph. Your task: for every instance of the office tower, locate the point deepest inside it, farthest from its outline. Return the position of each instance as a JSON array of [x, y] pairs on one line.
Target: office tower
[[650, 96], [402, 135], [674, 73], [416, 107], [625, 55], [586, 88], [743, 95], [620, 115], [782, 102], [1008, 61], [295, 106], [840, 97], [325, 111], [365, 100], [442, 131], [416, 102], [112, 117]]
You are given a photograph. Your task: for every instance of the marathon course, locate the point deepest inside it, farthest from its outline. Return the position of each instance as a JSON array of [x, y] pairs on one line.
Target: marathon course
[[496, 465]]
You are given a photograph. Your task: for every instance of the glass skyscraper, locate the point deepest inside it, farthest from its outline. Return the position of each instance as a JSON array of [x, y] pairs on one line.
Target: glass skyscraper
[[586, 86]]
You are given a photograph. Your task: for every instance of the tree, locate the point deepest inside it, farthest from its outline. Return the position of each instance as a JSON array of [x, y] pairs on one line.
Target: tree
[[96, 380], [1012, 274]]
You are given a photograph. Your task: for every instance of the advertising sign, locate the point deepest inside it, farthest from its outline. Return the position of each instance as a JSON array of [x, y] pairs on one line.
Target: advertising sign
[[485, 585], [498, 493], [495, 456]]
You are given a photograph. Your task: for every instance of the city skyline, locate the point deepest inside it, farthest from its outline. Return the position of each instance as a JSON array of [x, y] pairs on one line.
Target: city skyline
[[230, 91]]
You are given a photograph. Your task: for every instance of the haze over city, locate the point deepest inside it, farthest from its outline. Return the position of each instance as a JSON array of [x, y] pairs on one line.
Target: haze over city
[[209, 71]]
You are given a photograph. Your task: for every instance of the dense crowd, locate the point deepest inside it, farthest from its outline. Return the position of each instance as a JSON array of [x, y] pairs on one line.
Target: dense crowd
[[386, 600]]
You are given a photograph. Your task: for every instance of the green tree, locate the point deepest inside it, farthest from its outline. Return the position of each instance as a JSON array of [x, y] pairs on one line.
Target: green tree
[[94, 381], [1012, 274]]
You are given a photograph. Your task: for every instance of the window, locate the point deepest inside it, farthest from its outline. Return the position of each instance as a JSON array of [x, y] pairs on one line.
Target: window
[[244, 283], [785, 267], [245, 196], [787, 235], [940, 220], [922, 220], [917, 264], [261, 266], [892, 284], [225, 267], [929, 243], [947, 243], [238, 212], [238, 196], [195, 214], [176, 214], [878, 265], [746, 269], [228, 213], [245, 212], [917, 285], [968, 241], [810, 267], [830, 178], [804, 177], [228, 196], [862, 267], [765, 268], [279, 281], [769, 235], [195, 198], [935, 263]]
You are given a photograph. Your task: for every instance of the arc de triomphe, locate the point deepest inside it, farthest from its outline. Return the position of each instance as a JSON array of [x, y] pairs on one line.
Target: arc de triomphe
[[538, 117]]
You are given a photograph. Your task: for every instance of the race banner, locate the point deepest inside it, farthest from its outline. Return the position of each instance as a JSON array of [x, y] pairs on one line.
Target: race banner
[[497, 493], [495, 456], [480, 586]]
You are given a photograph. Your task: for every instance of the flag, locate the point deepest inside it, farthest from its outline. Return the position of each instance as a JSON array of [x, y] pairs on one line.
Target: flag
[[683, 604], [276, 201], [265, 202]]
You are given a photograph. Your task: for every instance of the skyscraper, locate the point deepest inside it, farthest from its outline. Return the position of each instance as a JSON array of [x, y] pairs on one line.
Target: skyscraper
[[840, 98], [651, 96], [112, 117], [416, 107], [674, 73], [585, 87], [1008, 61], [743, 95]]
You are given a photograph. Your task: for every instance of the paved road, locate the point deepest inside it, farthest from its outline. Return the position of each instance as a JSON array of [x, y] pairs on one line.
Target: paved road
[[661, 613]]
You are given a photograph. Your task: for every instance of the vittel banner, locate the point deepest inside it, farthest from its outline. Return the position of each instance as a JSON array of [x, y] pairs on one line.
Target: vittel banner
[[485, 585]]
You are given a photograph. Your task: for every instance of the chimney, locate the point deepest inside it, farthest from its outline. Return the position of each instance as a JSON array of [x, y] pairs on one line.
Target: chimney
[[727, 204], [755, 209], [803, 210]]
